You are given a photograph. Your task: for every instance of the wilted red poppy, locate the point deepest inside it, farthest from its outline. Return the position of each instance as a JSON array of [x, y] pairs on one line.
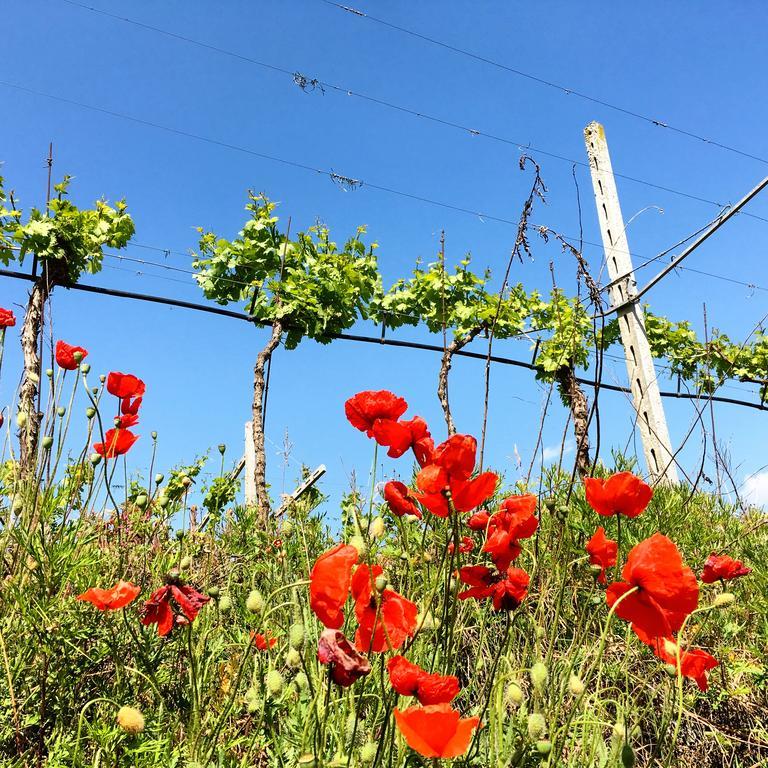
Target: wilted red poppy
[[347, 665], [130, 407], [386, 626], [400, 436], [124, 385], [409, 679], [451, 467], [507, 589], [722, 567], [164, 603], [621, 494], [262, 642], [365, 408], [116, 443], [515, 520], [7, 318], [65, 355], [666, 589], [466, 545], [602, 551], [330, 579], [119, 596], [694, 663], [400, 499], [436, 731]]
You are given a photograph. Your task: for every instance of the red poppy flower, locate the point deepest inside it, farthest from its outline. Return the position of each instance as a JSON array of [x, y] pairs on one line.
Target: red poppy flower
[[387, 626], [621, 494], [694, 663], [65, 355], [409, 679], [450, 469], [116, 443], [399, 436], [124, 385], [330, 579], [723, 567], [119, 596], [7, 318], [466, 545], [365, 408], [667, 590], [436, 731], [515, 520], [479, 521], [130, 407], [507, 589], [400, 499], [262, 642], [602, 551], [166, 602], [347, 665]]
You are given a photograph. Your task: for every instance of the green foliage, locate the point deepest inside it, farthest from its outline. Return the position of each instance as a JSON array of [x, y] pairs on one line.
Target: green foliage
[[66, 234], [312, 286]]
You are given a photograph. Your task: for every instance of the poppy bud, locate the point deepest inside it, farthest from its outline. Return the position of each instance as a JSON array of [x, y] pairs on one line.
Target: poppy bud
[[90, 412], [575, 685], [61, 410], [159, 477], [18, 504], [95, 459], [301, 681], [627, 756], [596, 600], [376, 528], [186, 481], [550, 502], [411, 518], [619, 732], [141, 501], [404, 557], [539, 675], [287, 528], [255, 601], [537, 725], [307, 761], [130, 720], [213, 592], [293, 658], [102, 378], [274, 682], [353, 731], [252, 706], [368, 752], [21, 419], [77, 356], [561, 512], [163, 501], [380, 583], [296, 636], [723, 600], [359, 544], [153, 435], [540, 632], [225, 603], [95, 390], [222, 448], [47, 442], [544, 747], [85, 368], [49, 372], [185, 563], [513, 695]]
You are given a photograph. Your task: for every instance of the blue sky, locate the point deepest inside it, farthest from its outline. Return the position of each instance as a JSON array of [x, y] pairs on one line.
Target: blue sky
[[657, 59]]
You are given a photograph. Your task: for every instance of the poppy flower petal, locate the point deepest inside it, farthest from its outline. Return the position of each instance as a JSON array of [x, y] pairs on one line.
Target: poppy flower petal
[[330, 581], [469, 495]]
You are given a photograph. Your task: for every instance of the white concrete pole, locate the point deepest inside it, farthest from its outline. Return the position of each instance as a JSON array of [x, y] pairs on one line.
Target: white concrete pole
[[640, 367]]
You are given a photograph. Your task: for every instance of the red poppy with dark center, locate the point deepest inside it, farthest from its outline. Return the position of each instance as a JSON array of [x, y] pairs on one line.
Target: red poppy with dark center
[[449, 473], [65, 355], [262, 642], [400, 499], [400, 436], [436, 731], [116, 443], [665, 590], [346, 664], [163, 604], [620, 494], [130, 407], [385, 626], [122, 594], [409, 679], [466, 545], [507, 589], [515, 520], [722, 567], [602, 551], [330, 580], [694, 663], [7, 318], [124, 385], [364, 409]]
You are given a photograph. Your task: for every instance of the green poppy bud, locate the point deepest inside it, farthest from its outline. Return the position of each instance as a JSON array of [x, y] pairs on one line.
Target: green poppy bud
[[368, 752], [90, 412], [255, 601], [153, 435], [213, 592], [159, 477], [225, 603], [513, 695], [296, 636], [550, 503], [85, 368], [561, 512], [185, 562], [18, 504], [627, 756], [49, 372], [293, 658], [77, 356], [142, 501], [274, 682], [411, 518], [130, 720], [180, 534], [543, 747], [724, 599], [222, 448], [376, 528], [575, 685], [539, 675], [95, 459], [359, 544], [163, 501], [380, 583], [537, 726], [47, 442], [307, 761], [252, 707], [302, 682], [61, 410]]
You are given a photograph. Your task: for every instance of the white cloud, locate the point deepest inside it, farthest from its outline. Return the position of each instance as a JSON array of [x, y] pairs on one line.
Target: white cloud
[[756, 489], [552, 452]]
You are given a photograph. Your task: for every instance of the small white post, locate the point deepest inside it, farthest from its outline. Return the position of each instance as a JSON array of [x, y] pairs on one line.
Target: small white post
[[657, 447], [250, 465]]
